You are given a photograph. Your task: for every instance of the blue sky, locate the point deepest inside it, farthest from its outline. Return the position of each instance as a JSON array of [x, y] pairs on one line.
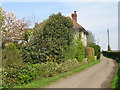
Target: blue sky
[[93, 16]]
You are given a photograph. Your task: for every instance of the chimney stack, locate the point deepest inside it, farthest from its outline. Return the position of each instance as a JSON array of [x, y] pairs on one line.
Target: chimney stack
[[74, 16], [36, 24]]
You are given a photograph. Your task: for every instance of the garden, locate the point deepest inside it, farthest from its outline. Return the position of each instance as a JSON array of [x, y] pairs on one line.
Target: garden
[[48, 50]]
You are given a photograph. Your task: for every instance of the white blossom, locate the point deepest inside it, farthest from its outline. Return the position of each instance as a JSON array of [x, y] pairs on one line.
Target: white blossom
[[12, 28]]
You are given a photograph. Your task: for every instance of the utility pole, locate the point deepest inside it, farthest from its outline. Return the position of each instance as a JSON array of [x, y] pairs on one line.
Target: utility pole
[[108, 37], [108, 40]]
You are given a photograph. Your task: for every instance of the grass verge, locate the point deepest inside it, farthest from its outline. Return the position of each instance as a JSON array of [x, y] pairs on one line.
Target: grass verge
[[116, 80], [47, 81]]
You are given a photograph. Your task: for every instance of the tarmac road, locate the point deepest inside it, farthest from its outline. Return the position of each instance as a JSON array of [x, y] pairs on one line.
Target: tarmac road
[[97, 76]]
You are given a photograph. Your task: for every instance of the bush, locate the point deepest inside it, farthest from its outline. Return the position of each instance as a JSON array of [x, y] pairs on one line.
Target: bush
[[52, 38], [110, 54], [89, 53], [14, 76], [97, 51], [71, 51], [11, 57], [80, 51]]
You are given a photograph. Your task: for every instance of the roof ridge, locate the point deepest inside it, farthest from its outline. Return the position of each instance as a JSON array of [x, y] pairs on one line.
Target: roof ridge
[[75, 21]]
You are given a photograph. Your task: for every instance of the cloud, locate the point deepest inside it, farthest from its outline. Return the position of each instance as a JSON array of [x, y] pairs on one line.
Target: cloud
[[60, 0]]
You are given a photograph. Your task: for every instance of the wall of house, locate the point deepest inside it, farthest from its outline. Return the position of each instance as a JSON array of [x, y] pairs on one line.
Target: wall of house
[[84, 38], [76, 35]]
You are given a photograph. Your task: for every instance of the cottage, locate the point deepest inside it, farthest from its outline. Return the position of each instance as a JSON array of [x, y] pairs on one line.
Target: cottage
[[80, 31]]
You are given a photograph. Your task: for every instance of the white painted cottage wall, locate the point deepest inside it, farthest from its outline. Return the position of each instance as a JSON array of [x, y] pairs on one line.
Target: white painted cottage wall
[[76, 35], [84, 38]]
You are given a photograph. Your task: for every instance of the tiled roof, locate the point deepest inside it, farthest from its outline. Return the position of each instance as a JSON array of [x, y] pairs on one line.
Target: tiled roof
[[78, 26]]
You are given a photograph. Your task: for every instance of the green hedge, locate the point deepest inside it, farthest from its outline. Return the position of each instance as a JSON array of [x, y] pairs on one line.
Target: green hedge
[[110, 54], [97, 51], [89, 53], [18, 76]]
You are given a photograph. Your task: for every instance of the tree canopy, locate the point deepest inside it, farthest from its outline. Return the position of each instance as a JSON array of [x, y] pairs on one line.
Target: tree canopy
[[90, 37], [12, 28], [50, 41]]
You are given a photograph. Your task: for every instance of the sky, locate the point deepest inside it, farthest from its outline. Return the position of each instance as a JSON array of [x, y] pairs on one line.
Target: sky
[[96, 17]]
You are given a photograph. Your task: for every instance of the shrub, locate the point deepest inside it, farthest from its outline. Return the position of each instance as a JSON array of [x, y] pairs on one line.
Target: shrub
[[11, 46], [89, 53], [11, 57], [80, 51], [110, 54], [71, 51], [15, 76], [52, 38], [96, 49]]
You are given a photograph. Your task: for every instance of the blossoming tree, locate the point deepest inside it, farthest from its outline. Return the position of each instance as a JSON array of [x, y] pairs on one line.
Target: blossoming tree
[[12, 28]]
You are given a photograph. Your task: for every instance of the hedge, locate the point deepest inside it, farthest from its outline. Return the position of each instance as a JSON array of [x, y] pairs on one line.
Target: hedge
[[89, 53], [17, 76], [111, 54]]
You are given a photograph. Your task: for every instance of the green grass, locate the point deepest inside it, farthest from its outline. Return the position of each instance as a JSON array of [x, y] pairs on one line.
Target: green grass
[[47, 81], [116, 80]]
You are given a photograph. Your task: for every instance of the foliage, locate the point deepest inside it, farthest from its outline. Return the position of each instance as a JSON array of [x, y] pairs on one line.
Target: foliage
[[11, 57], [11, 46], [29, 72], [90, 37], [114, 55], [1, 19], [12, 28], [18, 45], [89, 44], [26, 36], [80, 51], [111, 54], [118, 81], [71, 51], [52, 38], [41, 83], [96, 49], [89, 53]]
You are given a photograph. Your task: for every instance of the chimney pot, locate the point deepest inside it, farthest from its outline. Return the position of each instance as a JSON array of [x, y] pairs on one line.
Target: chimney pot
[[36, 24], [74, 16], [74, 11]]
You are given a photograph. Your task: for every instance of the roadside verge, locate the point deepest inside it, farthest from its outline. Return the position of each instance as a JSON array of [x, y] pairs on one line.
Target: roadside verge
[[50, 80]]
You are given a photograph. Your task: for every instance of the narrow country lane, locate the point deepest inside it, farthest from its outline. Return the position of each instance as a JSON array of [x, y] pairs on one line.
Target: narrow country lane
[[97, 76]]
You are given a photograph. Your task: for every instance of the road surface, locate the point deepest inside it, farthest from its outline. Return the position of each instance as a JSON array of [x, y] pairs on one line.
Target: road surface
[[97, 76]]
